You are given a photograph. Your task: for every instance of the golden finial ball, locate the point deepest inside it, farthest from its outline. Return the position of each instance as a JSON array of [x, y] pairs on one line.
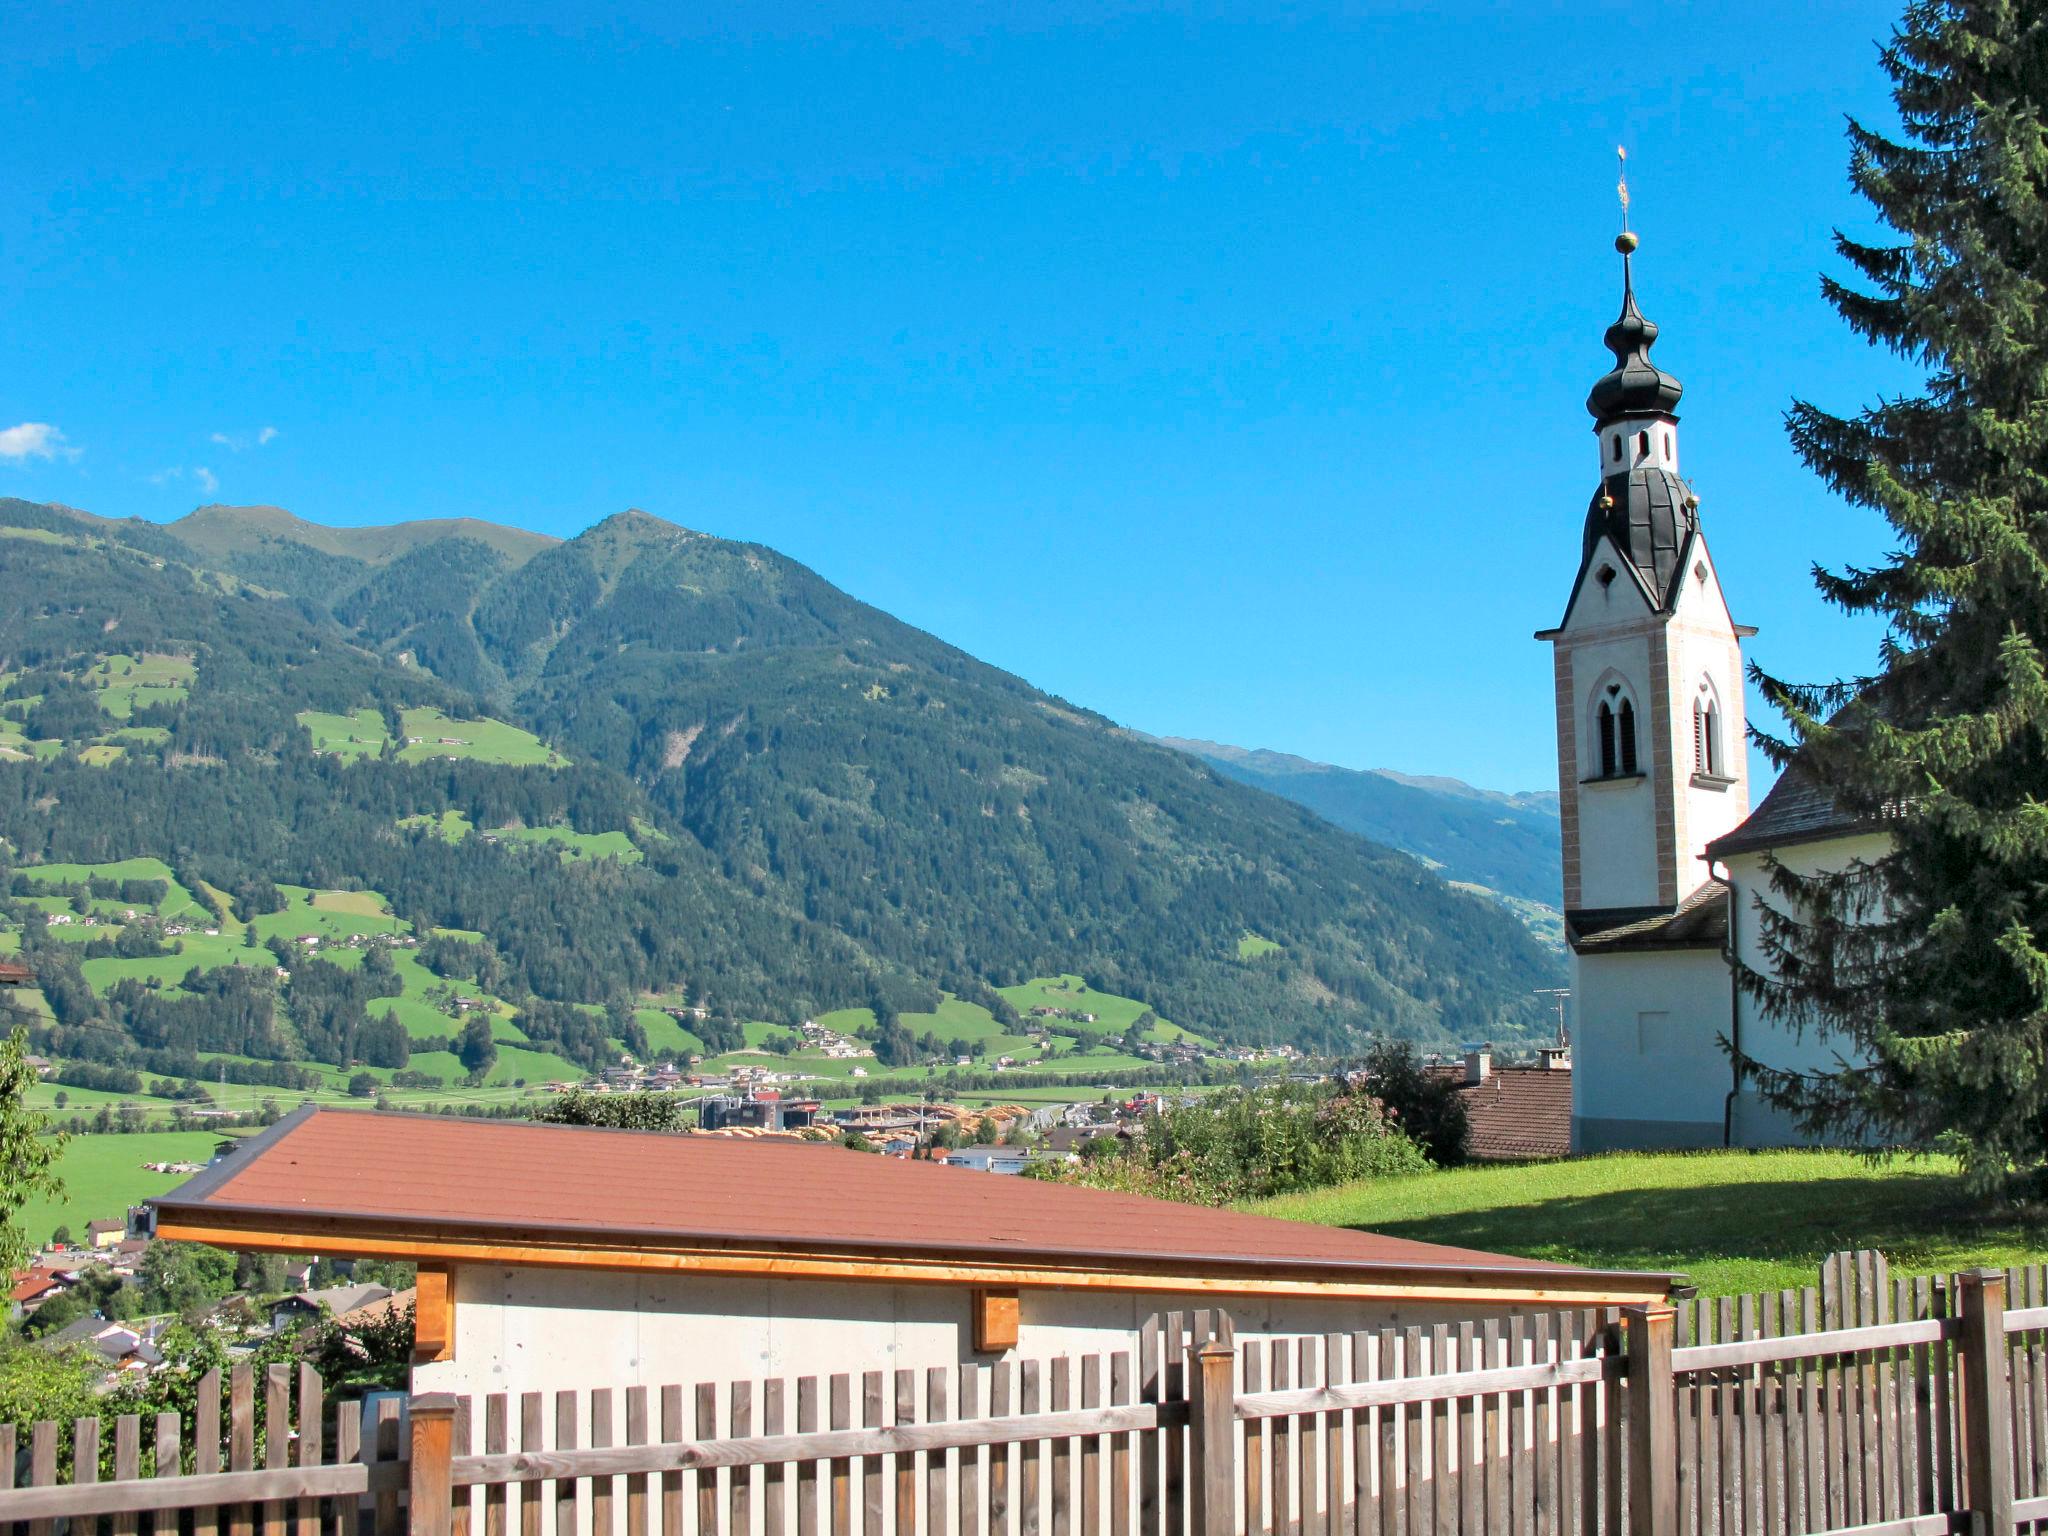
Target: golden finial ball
[[1625, 242]]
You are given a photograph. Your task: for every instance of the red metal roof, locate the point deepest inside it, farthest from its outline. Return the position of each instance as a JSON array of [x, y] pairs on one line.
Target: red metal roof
[[622, 1189]]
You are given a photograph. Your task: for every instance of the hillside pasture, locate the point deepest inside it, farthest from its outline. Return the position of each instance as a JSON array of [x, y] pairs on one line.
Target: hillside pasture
[[103, 1176], [1733, 1222], [431, 734], [360, 733], [573, 845], [128, 683]]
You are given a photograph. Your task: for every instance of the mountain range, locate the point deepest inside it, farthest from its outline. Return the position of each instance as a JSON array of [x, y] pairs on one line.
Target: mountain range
[[1503, 843], [825, 806]]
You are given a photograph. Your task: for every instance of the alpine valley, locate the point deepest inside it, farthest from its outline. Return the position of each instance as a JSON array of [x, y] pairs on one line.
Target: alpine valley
[[645, 789]]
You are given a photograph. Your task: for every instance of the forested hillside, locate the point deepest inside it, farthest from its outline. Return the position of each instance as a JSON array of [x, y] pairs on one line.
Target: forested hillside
[[819, 806]]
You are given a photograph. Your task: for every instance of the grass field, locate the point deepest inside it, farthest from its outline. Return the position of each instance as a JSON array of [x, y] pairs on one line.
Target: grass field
[[128, 683], [486, 741], [103, 1176], [1732, 1221]]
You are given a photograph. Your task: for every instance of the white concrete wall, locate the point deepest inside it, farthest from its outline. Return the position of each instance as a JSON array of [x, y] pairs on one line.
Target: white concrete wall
[[1647, 1068], [1703, 644], [1769, 1040], [548, 1330]]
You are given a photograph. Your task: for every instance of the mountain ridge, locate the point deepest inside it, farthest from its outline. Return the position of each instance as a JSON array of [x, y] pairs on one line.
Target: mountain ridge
[[906, 816]]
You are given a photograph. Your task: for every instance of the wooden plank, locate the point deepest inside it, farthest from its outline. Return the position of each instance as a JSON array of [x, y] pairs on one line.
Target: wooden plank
[[459, 1510], [602, 1489], [938, 1501], [1364, 1441], [1308, 1483], [1521, 1454], [1544, 1487], [1151, 1383], [1252, 1377], [1061, 1463], [565, 1487], [386, 1492], [311, 1444], [871, 1466], [967, 1472], [1768, 1428], [1444, 1456], [1334, 1374], [1119, 1449], [739, 1483], [1091, 1450], [496, 1443], [242, 1441], [636, 1483], [1000, 1403], [1174, 1373], [1495, 1498], [1414, 1347], [1030, 1456], [1280, 1360], [1393, 1512], [904, 1464], [127, 1466], [841, 1406], [532, 1442], [775, 1479], [705, 1479], [277, 1435], [42, 1472], [43, 1503], [807, 1469]]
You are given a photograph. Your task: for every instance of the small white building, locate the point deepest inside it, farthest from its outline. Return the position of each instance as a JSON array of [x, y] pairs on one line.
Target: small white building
[[555, 1258], [1664, 864]]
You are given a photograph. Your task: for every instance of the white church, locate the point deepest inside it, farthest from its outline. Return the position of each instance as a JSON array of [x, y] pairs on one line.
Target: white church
[[1664, 861]]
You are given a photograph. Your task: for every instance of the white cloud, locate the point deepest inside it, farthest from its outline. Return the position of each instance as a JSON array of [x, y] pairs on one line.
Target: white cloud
[[208, 481], [242, 442], [34, 440]]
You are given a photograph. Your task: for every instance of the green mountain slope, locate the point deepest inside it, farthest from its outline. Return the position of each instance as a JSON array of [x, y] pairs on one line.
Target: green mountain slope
[[840, 810], [1507, 843]]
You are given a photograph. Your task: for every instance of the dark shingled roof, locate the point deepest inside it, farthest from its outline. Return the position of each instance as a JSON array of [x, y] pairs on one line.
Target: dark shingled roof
[[1698, 922], [1649, 514], [1799, 809]]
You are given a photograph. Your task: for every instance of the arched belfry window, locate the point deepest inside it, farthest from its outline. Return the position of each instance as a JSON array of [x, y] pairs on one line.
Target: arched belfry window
[[1614, 732], [1708, 751]]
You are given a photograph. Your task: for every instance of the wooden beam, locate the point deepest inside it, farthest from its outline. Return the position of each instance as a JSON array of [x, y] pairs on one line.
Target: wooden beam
[[433, 1314], [351, 1242], [995, 1321]]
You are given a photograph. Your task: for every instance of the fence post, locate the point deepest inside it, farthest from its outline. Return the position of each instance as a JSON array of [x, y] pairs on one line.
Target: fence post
[[432, 1505], [1652, 1426], [1212, 1440], [1983, 1400]]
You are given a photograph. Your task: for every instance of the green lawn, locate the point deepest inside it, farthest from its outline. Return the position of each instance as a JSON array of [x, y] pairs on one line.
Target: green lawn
[[1252, 945], [431, 734], [128, 683], [103, 1176], [573, 845], [1733, 1221], [350, 736]]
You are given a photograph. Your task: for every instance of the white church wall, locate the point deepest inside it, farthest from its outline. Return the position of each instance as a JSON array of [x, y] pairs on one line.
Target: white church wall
[[1704, 647], [1647, 1065], [1766, 1039], [1617, 817]]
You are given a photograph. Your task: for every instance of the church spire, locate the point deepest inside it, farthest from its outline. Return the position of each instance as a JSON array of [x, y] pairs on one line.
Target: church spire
[[1635, 386]]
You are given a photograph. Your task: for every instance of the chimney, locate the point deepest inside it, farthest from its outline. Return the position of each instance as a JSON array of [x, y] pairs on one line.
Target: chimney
[[1554, 1058], [1478, 1063]]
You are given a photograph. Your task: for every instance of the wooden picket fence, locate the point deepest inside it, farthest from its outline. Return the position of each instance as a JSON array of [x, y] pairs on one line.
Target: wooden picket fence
[[1883, 1407]]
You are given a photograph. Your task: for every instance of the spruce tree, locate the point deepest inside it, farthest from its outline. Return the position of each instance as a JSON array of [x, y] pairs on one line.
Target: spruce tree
[[1927, 968]]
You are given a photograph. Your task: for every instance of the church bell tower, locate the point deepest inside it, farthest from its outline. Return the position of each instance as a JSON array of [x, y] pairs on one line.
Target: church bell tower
[[1648, 662]]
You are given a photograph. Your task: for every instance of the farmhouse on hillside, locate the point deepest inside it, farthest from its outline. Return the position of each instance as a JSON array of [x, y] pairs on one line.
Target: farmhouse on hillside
[[1664, 863], [552, 1257]]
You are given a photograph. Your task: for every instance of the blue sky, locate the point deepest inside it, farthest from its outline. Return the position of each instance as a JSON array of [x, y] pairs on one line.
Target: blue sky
[[1219, 367]]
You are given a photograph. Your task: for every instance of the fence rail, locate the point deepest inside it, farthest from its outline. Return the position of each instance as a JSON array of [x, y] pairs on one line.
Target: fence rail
[[1866, 1405]]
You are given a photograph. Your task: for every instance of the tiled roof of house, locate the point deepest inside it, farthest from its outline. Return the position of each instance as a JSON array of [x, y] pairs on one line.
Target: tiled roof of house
[[325, 1174], [14, 974], [1518, 1112]]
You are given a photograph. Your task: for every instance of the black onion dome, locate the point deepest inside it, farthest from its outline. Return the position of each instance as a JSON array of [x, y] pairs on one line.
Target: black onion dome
[[1635, 386], [1648, 513]]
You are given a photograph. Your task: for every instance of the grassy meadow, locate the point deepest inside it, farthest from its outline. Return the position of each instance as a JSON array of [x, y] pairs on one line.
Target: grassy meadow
[[1731, 1221]]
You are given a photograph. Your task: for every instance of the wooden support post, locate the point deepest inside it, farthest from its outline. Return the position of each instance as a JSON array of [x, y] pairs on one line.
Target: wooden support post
[[433, 1448], [1652, 1424], [1984, 1434], [1212, 1441]]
